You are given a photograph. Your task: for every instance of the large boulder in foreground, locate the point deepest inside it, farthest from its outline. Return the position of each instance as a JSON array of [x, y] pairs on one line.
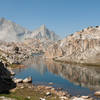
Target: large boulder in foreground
[[6, 82], [81, 47]]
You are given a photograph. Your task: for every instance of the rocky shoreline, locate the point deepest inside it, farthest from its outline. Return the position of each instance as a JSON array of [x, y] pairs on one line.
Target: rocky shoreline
[[41, 92], [45, 92], [48, 92]]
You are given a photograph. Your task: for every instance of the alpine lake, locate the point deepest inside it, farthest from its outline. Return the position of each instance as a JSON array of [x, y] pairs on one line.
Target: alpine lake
[[76, 79]]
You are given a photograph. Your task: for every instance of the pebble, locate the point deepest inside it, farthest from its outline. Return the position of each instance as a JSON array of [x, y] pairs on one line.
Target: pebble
[[63, 98], [48, 93], [76, 98], [85, 97], [28, 80], [50, 83], [13, 90], [28, 97], [97, 93], [6, 98], [18, 80], [42, 99], [22, 87]]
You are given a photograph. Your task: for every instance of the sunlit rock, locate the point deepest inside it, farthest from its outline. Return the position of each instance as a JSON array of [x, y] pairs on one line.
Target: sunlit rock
[[81, 47], [27, 80]]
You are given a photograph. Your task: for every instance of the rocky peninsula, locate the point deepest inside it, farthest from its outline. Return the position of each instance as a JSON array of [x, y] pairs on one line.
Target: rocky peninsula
[[82, 47]]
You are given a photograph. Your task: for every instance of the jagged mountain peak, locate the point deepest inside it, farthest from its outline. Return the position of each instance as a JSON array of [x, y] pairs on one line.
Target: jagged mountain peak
[[44, 33], [43, 26]]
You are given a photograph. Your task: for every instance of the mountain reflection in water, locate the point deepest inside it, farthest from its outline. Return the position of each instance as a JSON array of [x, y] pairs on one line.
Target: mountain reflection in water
[[74, 78]]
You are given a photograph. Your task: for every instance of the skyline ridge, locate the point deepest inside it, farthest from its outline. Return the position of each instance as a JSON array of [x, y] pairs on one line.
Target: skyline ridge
[[11, 31], [45, 26]]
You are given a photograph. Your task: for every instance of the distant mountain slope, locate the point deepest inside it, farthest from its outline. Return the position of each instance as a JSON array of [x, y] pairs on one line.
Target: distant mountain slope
[[41, 38], [44, 33], [10, 31], [80, 47]]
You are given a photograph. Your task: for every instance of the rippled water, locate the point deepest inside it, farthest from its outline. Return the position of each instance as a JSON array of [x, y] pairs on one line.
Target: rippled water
[[76, 79]]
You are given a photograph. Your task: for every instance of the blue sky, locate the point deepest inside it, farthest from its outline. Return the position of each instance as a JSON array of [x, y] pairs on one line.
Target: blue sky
[[62, 16]]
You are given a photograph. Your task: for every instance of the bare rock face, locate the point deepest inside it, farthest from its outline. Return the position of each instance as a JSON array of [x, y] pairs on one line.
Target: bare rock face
[[54, 51], [81, 47]]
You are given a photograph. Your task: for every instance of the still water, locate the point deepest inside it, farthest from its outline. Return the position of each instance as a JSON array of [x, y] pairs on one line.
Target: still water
[[76, 79]]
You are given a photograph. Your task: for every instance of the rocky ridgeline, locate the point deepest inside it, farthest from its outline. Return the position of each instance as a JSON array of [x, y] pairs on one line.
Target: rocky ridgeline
[[81, 47], [10, 31]]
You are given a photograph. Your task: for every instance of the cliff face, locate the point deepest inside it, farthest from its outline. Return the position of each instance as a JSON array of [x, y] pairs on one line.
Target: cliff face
[[54, 50], [81, 47]]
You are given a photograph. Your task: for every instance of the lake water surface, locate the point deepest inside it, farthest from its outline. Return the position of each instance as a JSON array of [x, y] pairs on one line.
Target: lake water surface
[[76, 79]]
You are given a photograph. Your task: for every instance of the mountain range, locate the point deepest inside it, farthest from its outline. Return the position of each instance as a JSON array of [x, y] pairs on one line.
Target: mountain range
[[10, 31], [81, 47]]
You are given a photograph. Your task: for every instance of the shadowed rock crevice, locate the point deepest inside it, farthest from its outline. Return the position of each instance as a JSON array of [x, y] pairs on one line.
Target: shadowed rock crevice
[[6, 82]]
